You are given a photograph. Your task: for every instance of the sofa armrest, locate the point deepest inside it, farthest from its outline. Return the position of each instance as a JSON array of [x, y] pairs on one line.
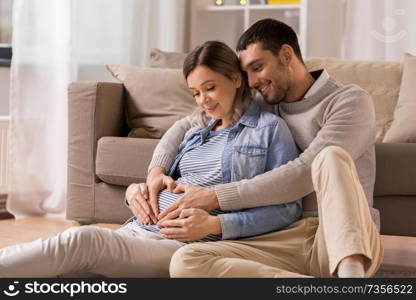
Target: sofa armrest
[[94, 110], [395, 169]]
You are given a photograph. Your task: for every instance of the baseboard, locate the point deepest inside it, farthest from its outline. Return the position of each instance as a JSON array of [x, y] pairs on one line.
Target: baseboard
[[4, 214]]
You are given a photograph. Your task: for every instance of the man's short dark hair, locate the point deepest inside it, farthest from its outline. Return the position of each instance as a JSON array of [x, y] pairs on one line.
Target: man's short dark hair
[[272, 34]]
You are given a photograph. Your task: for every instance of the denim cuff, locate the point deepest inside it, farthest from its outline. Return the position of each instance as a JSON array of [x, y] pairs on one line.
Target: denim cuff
[[230, 226]]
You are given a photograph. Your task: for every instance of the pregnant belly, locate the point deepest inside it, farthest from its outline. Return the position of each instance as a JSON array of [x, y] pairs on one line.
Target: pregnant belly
[[166, 198]]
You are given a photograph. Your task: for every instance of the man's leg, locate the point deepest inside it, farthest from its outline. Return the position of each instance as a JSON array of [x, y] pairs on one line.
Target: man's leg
[[277, 254], [345, 228], [127, 252]]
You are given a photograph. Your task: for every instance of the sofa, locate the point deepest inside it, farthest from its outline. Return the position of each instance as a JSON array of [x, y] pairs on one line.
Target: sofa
[[103, 159]]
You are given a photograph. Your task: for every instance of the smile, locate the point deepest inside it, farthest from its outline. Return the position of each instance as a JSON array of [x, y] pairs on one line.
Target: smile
[[263, 88], [211, 109]]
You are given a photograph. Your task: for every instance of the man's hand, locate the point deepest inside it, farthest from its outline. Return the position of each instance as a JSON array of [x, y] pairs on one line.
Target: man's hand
[[138, 203], [156, 181], [194, 197], [193, 224]]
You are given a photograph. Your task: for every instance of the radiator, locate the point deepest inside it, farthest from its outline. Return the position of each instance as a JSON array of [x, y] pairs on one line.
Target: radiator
[[4, 125]]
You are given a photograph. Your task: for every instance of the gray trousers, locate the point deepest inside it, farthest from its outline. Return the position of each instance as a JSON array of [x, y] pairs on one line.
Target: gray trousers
[[127, 252]]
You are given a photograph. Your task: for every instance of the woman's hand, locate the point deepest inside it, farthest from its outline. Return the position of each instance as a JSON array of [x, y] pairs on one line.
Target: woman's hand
[[192, 224], [138, 203], [193, 197], [143, 197], [156, 181]]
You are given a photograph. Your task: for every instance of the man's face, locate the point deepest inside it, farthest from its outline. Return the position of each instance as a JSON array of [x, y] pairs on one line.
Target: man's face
[[266, 73]]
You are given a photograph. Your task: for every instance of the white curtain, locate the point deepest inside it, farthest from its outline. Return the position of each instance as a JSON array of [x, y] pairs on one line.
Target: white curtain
[[361, 29], [379, 29], [54, 43]]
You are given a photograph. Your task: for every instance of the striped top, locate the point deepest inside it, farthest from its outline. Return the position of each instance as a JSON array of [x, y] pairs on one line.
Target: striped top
[[200, 166]]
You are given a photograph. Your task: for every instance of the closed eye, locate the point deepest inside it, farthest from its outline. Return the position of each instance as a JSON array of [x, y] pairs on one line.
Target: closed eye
[[257, 68]]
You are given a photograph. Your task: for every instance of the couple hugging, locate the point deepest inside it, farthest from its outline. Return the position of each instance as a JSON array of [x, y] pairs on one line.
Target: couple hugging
[[225, 185]]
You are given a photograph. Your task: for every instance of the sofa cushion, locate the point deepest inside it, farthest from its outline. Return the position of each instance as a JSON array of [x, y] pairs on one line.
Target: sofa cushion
[[403, 129], [397, 214], [396, 169], [122, 161], [156, 98], [163, 59], [380, 79]]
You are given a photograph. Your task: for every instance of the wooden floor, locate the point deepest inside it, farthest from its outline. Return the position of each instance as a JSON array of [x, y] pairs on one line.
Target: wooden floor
[[25, 230], [398, 251]]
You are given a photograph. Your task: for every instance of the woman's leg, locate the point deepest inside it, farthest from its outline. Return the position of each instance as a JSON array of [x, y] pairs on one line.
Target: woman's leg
[[126, 252]]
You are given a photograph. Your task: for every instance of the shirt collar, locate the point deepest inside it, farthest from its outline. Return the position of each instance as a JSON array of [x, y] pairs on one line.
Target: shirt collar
[[321, 78], [249, 118]]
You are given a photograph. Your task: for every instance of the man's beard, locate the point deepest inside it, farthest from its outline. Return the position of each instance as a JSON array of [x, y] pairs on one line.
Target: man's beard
[[278, 97]]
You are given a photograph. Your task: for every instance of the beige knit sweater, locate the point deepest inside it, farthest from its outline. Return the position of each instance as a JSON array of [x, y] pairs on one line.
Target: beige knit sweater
[[329, 114]]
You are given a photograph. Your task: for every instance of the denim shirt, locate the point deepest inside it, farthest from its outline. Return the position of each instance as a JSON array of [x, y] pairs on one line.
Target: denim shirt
[[259, 142]]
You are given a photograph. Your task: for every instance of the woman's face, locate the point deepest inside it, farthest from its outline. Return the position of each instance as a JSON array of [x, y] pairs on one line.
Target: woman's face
[[214, 92]]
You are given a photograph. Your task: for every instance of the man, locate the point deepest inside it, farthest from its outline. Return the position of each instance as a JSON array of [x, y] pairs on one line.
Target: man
[[334, 127]]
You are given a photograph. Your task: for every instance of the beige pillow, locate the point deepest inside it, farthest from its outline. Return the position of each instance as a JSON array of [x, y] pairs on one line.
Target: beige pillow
[[403, 128], [380, 79], [162, 59], [156, 98]]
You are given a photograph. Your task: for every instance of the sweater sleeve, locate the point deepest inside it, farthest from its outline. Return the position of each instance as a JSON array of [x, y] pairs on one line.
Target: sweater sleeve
[[349, 123], [166, 149]]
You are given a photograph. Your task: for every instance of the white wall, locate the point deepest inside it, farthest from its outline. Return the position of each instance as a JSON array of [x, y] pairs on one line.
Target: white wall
[[224, 26], [361, 29], [324, 25], [228, 25], [4, 91], [324, 34]]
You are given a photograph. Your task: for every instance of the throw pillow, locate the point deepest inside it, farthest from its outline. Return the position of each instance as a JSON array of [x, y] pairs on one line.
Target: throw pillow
[[403, 128], [162, 59], [156, 98], [379, 78]]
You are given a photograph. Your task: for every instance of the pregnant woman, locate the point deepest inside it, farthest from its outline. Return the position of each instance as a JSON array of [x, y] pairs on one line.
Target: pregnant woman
[[232, 140]]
